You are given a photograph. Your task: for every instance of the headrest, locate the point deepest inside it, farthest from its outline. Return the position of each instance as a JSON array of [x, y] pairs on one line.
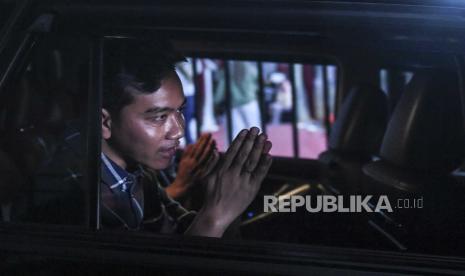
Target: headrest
[[426, 132], [361, 122]]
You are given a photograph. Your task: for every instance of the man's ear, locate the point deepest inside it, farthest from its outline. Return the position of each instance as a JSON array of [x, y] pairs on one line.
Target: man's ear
[[106, 124]]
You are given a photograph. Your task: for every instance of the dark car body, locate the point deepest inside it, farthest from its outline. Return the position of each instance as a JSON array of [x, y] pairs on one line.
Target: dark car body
[[360, 38]]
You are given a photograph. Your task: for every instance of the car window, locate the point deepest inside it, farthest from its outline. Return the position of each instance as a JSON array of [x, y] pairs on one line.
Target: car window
[[41, 124], [294, 103]]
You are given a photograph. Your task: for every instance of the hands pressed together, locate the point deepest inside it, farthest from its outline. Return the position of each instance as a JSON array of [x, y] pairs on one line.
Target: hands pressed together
[[232, 181], [196, 163]]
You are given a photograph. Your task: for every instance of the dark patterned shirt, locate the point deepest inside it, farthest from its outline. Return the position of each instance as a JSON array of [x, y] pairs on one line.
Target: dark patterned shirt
[[135, 200]]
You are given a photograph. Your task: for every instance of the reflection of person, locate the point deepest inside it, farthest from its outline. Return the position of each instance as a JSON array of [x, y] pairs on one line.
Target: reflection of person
[[142, 123], [186, 75], [283, 101], [208, 117], [244, 86]]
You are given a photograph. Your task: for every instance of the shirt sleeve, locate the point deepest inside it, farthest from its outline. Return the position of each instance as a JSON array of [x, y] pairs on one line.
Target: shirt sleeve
[[182, 216], [162, 213]]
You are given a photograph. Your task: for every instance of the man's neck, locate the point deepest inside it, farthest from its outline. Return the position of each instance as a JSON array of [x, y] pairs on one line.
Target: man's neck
[[113, 155]]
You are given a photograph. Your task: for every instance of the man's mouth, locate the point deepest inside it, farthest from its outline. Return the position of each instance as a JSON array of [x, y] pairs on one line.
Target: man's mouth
[[169, 152]]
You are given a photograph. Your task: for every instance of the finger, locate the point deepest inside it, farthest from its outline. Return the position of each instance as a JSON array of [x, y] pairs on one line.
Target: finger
[[208, 151], [246, 148], [256, 179], [188, 150], [234, 148], [267, 147], [254, 156], [211, 163], [200, 146], [196, 145], [262, 168]]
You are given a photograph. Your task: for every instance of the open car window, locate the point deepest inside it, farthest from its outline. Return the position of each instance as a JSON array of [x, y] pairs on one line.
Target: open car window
[[294, 103]]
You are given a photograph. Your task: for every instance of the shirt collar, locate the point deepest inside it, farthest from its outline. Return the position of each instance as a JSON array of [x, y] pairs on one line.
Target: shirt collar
[[115, 176]]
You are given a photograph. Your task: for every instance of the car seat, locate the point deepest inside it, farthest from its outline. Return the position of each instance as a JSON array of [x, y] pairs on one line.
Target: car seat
[[423, 143], [355, 138]]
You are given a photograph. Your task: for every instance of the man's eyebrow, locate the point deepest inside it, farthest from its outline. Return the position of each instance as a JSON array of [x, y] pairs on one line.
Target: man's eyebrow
[[157, 109], [183, 103]]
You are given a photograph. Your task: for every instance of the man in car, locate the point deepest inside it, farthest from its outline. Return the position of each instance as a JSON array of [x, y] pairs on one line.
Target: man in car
[[142, 123]]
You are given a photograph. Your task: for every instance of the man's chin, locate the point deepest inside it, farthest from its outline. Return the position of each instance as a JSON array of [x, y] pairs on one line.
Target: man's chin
[[160, 164]]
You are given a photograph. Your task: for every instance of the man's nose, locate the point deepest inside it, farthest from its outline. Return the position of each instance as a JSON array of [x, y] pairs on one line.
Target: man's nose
[[176, 127]]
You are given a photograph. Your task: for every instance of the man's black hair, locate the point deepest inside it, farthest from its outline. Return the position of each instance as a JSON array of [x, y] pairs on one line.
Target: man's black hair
[[134, 66]]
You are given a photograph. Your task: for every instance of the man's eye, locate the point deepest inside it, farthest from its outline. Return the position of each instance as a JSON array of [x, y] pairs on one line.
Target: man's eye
[[159, 118]]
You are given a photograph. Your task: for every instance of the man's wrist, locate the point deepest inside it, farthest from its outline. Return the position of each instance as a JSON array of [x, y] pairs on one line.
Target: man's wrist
[[177, 189], [207, 224]]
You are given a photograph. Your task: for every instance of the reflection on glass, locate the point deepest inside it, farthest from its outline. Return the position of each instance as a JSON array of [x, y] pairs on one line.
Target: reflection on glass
[[331, 73], [214, 97], [241, 94], [393, 83], [200, 99], [244, 89], [383, 80], [244, 103], [185, 71], [40, 150], [278, 103], [311, 131], [212, 115]]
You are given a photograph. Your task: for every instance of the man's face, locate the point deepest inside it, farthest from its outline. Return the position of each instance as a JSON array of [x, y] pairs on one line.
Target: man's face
[[148, 130]]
